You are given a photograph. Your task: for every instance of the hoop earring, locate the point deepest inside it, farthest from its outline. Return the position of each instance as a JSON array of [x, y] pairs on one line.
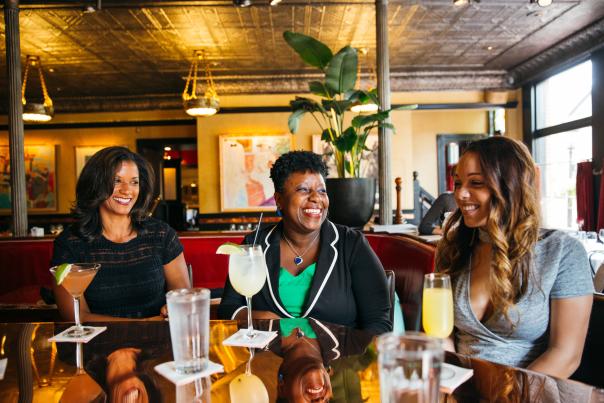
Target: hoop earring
[[279, 213]]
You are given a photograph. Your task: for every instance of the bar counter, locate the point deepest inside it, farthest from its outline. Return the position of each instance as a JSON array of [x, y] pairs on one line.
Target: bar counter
[[40, 371]]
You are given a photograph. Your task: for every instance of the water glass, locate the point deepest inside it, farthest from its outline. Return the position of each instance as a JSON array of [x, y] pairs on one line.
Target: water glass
[[409, 367], [189, 316]]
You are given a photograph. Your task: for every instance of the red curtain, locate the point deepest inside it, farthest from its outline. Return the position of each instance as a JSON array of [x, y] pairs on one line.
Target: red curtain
[[585, 196], [601, 199]]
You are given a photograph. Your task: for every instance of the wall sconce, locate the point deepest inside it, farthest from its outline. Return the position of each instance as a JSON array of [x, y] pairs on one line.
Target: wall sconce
[[194, 102], [36, 111]]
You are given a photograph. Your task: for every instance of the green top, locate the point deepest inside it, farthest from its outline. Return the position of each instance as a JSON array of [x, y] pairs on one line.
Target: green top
[[293, 290], [288, 325]]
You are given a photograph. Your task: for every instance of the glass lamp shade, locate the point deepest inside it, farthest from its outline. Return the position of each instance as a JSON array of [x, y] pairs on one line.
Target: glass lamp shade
[[37, 112], [364, 108], [205, 106]]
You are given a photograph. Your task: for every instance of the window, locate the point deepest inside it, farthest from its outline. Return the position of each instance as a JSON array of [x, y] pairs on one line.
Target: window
[[563, 137]]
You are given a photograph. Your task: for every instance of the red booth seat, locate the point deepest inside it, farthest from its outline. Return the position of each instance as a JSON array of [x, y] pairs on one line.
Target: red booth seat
[[24, 266]]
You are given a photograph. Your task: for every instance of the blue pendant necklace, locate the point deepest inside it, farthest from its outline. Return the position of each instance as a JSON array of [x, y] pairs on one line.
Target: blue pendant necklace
[[298, 260]]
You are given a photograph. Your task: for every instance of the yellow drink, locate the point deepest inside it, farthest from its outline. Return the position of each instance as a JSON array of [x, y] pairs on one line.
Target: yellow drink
[[437, 311]]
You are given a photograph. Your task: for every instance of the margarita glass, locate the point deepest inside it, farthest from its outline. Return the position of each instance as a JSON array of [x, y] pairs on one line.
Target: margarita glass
[[78, 278], [247, 273]]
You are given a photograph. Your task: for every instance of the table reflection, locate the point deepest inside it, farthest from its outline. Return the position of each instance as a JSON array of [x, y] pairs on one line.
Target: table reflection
[[309, 361]]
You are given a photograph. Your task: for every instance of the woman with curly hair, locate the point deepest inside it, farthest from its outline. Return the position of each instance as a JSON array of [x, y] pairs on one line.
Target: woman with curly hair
[[316, 269], [522, 295], [140, 257]]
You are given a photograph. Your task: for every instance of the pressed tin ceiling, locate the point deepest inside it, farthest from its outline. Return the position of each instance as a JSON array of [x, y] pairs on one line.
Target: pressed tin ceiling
[[135, 54]]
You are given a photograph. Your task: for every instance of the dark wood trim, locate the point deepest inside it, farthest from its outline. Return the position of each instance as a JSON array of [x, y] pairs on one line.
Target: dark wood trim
[[441, 142], [527, 116], [597, 106], [563, 127]]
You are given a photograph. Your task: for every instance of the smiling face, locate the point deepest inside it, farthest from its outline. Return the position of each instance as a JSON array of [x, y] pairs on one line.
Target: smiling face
[[303, 201], [125, 190], [472, 195]]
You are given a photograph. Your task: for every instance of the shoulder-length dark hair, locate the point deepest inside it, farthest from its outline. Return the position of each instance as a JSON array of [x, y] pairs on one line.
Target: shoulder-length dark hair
[[513, 222], [96, 184]]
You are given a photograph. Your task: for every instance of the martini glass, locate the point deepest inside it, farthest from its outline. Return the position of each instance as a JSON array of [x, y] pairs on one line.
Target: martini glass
[[247, 273], [75, 283]]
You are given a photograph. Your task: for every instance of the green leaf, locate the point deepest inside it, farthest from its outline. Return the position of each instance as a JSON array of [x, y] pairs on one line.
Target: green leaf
[[338, 106], [341, 73], [347, 140], [293, 122], [326, 135], [307, 104], [311, 51], [362, 120], [320, 89]]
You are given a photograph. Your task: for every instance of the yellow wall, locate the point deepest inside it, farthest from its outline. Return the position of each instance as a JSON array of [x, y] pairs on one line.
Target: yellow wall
[[68, 139], [413, 145]]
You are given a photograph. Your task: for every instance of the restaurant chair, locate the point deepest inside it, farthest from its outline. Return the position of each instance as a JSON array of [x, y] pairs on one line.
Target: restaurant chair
[[590, 370]]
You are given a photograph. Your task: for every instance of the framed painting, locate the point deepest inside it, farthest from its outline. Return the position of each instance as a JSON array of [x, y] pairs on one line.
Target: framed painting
[[82, 155], [369, 161], [245, 163], [40, 178]]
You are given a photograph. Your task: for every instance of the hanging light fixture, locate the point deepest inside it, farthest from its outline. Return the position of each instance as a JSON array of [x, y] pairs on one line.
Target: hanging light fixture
[[194, 102], [36, 111], [366, 104]]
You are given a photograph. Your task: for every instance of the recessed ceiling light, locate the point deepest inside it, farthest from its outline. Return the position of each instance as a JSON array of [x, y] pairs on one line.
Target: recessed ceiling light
[[168, 148], [489, 48]]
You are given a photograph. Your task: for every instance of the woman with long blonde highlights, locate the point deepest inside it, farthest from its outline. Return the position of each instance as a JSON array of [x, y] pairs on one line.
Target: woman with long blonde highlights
[[522, 294]]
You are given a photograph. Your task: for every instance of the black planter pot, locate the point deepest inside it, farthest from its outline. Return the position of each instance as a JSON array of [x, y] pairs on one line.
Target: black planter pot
[[351, 200]]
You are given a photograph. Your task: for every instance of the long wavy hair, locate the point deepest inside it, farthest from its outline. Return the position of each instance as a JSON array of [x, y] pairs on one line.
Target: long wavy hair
[[96, 184], [512, 224]]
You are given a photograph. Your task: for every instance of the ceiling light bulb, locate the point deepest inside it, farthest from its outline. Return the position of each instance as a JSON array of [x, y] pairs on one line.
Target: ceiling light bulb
[[275, 2], [544, 3]]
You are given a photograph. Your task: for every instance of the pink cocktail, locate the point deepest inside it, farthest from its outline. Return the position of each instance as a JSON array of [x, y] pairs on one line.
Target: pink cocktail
[[78, 278]]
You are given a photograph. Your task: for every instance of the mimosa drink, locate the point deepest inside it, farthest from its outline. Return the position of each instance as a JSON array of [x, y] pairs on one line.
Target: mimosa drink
[[437, 311]]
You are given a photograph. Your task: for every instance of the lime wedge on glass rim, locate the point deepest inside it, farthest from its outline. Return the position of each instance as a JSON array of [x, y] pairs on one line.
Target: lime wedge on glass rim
[[61, 272], [230, 248]]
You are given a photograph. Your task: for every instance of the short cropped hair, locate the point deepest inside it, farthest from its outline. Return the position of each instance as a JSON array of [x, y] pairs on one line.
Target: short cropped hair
[[296, 161], [96, 184]]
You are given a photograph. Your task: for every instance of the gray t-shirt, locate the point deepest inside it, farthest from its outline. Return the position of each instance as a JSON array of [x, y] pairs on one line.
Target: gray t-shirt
[[560, 269]]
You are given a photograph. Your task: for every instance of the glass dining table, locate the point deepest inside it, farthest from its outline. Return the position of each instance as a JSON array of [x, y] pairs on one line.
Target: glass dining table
[[308, 361]]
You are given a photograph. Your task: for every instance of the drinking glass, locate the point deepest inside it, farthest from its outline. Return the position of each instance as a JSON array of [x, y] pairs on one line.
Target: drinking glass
[[247, 273], [189, 310], [601, 235], [75, 283], [437, 308], [410, 367]]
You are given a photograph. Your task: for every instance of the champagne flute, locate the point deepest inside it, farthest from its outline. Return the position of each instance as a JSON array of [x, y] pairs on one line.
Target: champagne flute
[[247, 273], [437, 309]]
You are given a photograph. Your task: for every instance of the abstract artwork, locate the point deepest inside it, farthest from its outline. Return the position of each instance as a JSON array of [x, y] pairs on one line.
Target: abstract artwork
[[245, 163], [40, 178]]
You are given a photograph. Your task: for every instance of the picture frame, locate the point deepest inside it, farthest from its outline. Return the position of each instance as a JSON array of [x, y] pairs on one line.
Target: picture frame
[[82, 155], [369, 161], [41, 178], [245, 162]]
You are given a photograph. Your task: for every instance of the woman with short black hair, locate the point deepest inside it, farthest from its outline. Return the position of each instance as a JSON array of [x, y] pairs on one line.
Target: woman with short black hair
[[141, 257], [316, 268]]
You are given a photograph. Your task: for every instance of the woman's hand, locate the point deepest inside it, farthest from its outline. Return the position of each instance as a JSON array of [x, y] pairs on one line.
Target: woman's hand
[[163, 312]]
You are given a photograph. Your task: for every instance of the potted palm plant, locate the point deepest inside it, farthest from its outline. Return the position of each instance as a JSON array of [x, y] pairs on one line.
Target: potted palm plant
[[351, 197]]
